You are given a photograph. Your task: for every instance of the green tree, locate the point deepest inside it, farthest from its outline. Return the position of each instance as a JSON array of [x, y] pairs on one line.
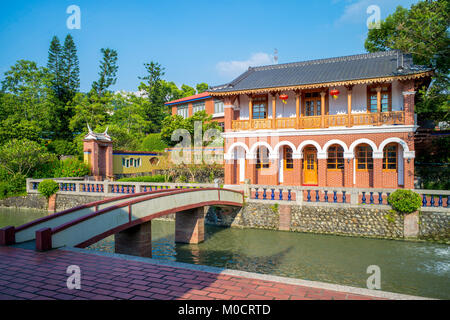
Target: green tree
[[153, 142], [174, 122], [171, 91], [202, 87], [54, 65], [129, 113], [27, 93], [22, 157], [422, 31], [91, 109], [108, 71], [122, 139], [70, 69], [187, 90], [155, 93], [15, 127]]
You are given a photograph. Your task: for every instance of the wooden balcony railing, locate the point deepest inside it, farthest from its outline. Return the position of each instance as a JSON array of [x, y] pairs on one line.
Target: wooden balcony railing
[[315, 122], [286, 123]]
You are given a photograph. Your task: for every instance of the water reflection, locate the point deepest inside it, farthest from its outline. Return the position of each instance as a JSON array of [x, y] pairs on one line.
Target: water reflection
[[406, 267]]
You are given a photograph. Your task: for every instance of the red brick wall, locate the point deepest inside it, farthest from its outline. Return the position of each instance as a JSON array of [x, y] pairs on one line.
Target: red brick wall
[[335, 178], [364, 179]]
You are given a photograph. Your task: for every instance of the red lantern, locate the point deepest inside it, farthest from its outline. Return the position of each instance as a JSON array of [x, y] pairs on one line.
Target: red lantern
[[334, 93], [283, 98]]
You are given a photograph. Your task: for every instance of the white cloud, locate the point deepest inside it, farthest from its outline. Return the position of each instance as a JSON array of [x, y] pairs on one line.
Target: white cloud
[[355, 12], [235, 68]]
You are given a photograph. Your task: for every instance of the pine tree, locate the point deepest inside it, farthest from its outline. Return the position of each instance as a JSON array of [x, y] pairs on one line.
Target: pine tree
[[70, 69], [154, 89], [108, 71], [54, 66]]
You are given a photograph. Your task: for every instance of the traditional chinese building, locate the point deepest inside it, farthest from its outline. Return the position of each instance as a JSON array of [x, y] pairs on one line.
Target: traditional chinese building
[[341, 122], [105, 163], [188, 106]]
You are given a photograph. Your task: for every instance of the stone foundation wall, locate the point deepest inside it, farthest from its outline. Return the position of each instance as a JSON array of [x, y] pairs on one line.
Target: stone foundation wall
[[359, 221], [434, 226], [32, 201], [364, 222], [252, 215], [36, 201]]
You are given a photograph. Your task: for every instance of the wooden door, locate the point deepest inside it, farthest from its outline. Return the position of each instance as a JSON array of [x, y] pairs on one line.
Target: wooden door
[[310, 167]]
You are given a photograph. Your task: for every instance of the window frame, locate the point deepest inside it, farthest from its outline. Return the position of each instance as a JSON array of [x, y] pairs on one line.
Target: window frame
[[285, 158], [388, 88], [334, 150], [220, 109], [262, 103], [386, 158], [183, 110], [366, 158], [265, 164], [198, 105]]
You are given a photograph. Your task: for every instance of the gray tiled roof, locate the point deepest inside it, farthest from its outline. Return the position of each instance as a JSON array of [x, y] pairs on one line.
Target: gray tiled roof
[[355, 67]]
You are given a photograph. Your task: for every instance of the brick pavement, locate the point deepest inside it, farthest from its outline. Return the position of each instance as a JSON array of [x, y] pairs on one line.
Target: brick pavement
[[27, 274]]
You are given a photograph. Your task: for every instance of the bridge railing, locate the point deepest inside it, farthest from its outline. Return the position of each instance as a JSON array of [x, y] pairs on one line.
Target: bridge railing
[[110, 188], [432, 200], [88, 229]]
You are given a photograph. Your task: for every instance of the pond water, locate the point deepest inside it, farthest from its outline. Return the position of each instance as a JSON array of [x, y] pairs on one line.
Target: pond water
[[417, 268]]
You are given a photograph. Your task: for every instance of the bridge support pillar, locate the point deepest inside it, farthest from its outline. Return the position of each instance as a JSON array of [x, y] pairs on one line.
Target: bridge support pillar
[[190, 226], [135, 241]]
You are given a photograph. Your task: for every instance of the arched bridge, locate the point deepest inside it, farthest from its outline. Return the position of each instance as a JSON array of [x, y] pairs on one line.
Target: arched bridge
[[128, 217]]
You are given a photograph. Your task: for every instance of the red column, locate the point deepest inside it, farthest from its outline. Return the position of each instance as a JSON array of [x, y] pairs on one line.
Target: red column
[[348, 173], [322, 173], [250, 170], [190, 226], [135, 241], [298, 172], [229, 115], [109, 162], [377, 173], [275, 177], [408, 101], [229, 172], [409, 173]]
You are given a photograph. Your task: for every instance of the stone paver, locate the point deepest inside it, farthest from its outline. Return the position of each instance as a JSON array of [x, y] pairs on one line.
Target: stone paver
[[26, 274]]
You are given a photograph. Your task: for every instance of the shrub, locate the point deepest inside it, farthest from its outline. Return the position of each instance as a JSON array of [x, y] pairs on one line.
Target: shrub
[[47, 188], [405, 201], [17, 183], [155, 178], [153, 142], [71, 168], [4, 189]]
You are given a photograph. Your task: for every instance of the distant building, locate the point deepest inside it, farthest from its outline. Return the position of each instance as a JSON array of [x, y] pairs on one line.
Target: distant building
[[187, 106], [104, 163]]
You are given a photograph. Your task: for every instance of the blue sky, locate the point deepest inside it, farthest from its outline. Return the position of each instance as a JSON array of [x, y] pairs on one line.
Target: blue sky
[[195, 41]]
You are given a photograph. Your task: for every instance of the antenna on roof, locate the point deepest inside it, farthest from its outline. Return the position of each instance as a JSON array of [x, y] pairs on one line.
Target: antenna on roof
[[275, 56]]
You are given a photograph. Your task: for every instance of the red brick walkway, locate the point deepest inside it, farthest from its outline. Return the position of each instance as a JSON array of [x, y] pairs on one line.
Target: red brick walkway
[[26, 274]]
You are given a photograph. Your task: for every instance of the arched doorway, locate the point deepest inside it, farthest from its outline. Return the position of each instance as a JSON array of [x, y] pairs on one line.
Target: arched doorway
[[310, 166], [393, 166], [363, 166], [286, 166], [239, 165], [262, 167], [335, 166]]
